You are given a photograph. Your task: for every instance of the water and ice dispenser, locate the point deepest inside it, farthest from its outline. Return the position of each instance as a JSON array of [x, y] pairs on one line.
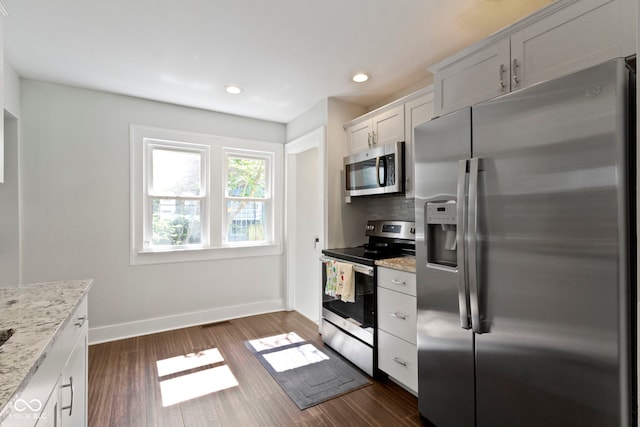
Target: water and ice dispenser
[[441, 222]]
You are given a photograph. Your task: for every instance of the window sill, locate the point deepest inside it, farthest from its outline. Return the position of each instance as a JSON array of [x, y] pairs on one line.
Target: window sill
[[203, 254]]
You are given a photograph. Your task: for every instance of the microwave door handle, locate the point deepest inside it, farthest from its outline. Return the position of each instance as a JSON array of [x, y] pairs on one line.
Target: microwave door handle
[[381, 165]]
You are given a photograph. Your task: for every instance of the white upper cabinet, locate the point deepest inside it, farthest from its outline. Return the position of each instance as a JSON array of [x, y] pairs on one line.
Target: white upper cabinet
[[359, 136], [416, 112], [382, 128], [566, 36], [585, 33], [388, 127], [484, 74]]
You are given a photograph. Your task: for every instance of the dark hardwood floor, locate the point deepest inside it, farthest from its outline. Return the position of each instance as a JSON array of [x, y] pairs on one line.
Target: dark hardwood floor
[[124, 388]]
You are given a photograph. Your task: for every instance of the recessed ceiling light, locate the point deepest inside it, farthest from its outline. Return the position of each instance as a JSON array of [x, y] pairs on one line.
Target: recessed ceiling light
[[360, 77], [233, 89]]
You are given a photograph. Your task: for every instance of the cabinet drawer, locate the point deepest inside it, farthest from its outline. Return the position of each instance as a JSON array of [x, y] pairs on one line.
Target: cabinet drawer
[[399, 359], [396, 280], [397, 314]]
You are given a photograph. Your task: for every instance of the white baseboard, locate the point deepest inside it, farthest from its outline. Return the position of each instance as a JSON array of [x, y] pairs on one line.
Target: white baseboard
[[119, 331]]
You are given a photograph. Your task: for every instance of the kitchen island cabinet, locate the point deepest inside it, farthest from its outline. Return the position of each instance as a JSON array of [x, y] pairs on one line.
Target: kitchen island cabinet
[[43, 366]]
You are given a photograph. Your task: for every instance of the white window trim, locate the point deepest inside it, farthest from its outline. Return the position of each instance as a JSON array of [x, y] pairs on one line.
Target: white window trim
[[204, 151], [268, 199], [215, 186]]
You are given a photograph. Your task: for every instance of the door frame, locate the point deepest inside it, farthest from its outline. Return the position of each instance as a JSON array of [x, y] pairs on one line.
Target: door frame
[[313, 139]]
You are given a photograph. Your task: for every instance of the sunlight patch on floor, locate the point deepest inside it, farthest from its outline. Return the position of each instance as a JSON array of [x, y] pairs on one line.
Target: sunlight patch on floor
[[190, 386], [295, 357], [275, 341], [188, 361]]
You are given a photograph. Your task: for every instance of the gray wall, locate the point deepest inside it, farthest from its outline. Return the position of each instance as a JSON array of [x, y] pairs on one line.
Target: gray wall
[[10, 189], [75, 221]]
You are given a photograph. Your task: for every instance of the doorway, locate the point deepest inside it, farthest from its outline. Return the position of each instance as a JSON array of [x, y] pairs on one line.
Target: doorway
[[305, 222]]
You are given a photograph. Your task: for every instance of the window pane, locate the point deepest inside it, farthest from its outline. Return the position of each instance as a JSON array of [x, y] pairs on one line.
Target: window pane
[[176, 172], [246, 177], [246, 220], [176, 222]]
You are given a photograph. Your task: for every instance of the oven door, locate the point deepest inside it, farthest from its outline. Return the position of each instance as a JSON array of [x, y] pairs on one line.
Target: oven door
[[357, 318]]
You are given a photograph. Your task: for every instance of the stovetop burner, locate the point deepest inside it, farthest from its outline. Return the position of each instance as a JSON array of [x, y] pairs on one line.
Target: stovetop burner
[[387, 239]]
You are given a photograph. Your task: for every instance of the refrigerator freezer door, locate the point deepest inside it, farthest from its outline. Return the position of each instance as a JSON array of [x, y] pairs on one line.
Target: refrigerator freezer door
[[553, 253], [445, 349]]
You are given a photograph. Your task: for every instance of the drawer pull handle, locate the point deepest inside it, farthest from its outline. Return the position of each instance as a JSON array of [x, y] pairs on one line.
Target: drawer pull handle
[[398, 282], [399, 316], [399, 361], [70, 406], [514, 71], [81, 321]]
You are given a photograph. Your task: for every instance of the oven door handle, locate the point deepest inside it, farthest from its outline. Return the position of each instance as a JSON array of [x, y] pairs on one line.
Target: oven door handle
[[358, 268]]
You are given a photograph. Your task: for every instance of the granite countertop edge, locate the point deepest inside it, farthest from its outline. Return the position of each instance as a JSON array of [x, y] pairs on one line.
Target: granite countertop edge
[[404, 263], [21, 377]]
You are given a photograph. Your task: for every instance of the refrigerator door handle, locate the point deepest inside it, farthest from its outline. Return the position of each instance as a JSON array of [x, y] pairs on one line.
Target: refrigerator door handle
[[472, 246], [463, 283]]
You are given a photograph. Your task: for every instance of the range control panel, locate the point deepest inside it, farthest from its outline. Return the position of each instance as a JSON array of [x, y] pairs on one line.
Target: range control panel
[[441, 213]]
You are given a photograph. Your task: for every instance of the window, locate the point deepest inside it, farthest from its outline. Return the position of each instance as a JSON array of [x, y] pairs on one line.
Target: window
[[176, 207], [247, 197], [196, 197]]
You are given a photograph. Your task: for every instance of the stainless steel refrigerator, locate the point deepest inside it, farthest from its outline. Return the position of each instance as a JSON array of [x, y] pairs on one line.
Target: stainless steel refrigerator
[[525, 238]]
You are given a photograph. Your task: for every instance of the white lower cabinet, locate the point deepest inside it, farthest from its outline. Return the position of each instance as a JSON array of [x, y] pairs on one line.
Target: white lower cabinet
[[56, 395], [399, 359], [73, 387], [397, 326]]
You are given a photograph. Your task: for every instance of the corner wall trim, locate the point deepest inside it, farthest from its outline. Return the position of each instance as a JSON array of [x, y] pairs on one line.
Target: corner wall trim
[[102, 334]]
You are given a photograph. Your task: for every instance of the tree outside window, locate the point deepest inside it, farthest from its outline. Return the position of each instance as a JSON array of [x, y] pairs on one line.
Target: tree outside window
[[247, 198]]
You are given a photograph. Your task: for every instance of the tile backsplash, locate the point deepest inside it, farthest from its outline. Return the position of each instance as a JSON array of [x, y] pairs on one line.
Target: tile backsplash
[[396, 208]]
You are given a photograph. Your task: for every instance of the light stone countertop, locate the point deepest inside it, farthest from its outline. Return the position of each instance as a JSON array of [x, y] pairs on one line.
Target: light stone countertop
[[37, 312], [405, 263]]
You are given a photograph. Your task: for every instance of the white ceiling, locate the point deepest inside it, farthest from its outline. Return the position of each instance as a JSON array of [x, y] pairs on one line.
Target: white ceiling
[[286, 54]]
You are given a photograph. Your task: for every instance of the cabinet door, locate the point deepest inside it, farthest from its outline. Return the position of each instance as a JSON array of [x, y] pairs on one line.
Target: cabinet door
[[48, 417], [359, 136], [474, 78], [388, 127], [73, 386], [583, 34], [416, 112]]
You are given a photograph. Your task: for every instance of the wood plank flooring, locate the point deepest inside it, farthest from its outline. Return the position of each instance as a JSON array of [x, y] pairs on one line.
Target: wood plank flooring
[[124, 388]]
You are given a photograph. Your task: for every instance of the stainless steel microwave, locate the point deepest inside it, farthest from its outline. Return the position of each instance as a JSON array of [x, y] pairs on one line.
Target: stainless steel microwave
[[376, 171]]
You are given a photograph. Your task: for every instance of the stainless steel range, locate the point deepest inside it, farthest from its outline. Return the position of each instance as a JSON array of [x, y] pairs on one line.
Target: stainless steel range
[[349, 324]]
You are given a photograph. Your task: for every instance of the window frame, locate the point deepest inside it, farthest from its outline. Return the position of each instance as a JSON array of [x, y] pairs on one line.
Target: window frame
[[268, 199], [149, 144], [216, 150]]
